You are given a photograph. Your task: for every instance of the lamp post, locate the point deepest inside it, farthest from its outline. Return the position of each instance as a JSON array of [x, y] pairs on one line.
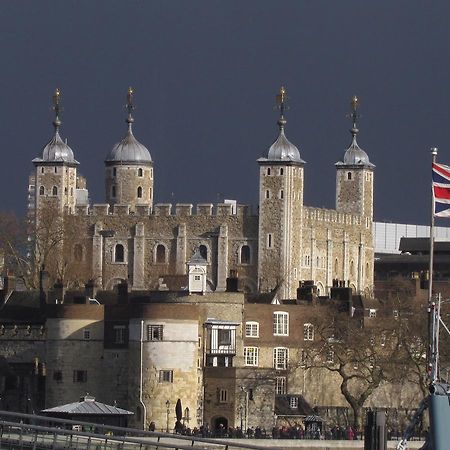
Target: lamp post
[[168, 413], [241, 413]]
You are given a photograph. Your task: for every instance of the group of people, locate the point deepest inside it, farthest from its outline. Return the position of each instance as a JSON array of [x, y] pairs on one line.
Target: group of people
[[278, 432]]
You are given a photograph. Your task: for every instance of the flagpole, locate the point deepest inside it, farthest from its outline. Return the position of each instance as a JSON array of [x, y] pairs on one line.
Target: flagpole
[[434, 152], [431, 306]]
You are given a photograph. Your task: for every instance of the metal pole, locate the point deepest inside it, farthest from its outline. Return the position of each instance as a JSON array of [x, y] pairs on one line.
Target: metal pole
[[431, 307]]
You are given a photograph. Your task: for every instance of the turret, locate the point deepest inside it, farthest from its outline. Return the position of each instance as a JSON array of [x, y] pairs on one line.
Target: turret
[[56, 170], [354, 176], [280, 212], [129, 168]]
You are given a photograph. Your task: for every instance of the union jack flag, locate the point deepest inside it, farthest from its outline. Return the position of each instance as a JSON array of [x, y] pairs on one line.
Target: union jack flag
[[441, 190]]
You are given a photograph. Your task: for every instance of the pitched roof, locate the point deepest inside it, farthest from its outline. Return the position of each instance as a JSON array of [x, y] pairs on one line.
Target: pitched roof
[[87, 405]]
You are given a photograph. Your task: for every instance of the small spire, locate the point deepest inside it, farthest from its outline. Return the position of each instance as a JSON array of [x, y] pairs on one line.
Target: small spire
[[281, 99], [130, 107], [57, 108], [354, 116]]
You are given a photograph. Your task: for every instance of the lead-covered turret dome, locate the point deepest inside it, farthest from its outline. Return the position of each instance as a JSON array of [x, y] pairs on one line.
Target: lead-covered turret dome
[[355, 155], [57, 150], [282, 149], [129, 149]]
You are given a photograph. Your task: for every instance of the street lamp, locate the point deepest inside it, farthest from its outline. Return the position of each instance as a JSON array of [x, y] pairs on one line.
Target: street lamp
[[241, 413], [168, 413]]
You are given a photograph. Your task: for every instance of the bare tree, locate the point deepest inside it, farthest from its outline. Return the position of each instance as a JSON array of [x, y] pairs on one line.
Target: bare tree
[[360, 355]]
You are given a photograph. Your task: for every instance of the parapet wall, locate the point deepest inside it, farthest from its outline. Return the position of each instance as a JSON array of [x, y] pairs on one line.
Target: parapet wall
[[331, 216], [165, 209]]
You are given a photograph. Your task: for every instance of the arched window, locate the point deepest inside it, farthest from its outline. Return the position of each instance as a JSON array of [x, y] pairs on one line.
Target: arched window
[[42, 170], [139, 191], [140, 172], [56, 170], [55, 190], [281, 171], [349, 175], [119, 253], [245, 254], [78, 252], [42, 190], [160, 255], [203, 249]]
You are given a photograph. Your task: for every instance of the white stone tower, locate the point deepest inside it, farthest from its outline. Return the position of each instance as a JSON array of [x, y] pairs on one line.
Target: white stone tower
[[56, 170], [354, 195], [129, 169], [354, 176], [280, 213]]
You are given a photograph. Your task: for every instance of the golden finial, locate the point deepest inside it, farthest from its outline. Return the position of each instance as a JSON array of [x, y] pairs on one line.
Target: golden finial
[[354, 115], [57, 108], [281, 97], [129, 106], [354, 103]]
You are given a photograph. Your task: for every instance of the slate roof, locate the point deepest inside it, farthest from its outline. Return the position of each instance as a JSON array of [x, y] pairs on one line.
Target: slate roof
[[283, 408], [86, 406]]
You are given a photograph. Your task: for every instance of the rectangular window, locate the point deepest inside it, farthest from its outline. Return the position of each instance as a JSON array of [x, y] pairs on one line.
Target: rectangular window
[[252, 329], [251, 356], [155, 332], [166, 376], [79, 376], [280, 385], [308, 332], [280, 358], [223, 396], [197, 277], [293, 402], [57, 376], [119, 334], [372, 312], [224, 337], [330, 356], [269, 240], [281, 324], [86, 334]]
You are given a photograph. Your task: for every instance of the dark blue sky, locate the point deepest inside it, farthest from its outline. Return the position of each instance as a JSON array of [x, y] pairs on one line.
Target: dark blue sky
[[205, 75]]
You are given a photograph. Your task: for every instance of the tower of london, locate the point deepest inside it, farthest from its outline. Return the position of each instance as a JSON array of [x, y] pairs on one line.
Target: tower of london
[[149, 245]]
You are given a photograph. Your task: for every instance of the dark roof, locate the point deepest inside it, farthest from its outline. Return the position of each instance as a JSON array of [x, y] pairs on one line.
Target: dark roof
[[265, 298], [283, 406], [422, 246], [22, 307], [88, 405]]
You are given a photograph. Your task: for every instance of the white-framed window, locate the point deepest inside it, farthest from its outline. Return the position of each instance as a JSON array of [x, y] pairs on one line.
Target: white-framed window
[[280, 358], [293, 402], [330, 356], [166, 376], [155, 332], [308, 332], [395, 313], [251, 356], [223, 396], [86, 334], [269, 240], [197, 277], [119, 334], [372, 312], [280, 385], [252, 329], [280, 323]]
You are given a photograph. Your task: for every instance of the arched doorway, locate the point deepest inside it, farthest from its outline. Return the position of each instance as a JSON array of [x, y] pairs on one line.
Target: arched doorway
[[219, 425]]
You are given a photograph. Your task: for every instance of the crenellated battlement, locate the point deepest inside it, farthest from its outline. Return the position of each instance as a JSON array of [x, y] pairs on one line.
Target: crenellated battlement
[[165, 210], [331, 216]]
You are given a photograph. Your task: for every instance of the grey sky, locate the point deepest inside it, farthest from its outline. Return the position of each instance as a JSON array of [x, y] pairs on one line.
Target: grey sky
[[205, 75]]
